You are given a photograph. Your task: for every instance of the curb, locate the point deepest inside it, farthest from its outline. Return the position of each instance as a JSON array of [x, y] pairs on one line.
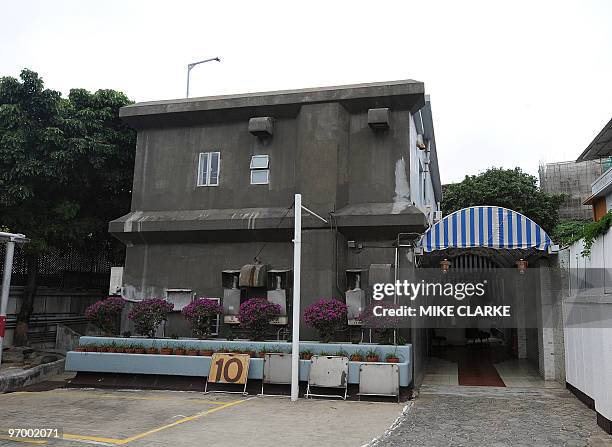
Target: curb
[[30, 376]]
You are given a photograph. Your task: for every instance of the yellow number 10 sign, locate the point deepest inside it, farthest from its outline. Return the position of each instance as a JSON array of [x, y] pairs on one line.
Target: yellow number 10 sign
[[229, 368]]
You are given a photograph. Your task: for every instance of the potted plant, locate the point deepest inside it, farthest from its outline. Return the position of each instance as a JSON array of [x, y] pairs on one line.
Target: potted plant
[[207, 352], [356, 357], [80, 349], [180, 350], [200, 315], [326, 316], [139, 349], [392, 358], [165, 350], [152, 350], [341, 353], [372, 355], [105, 314], [148, 314], [112, 347], [119, 349], [306, 354], [255, 315], [129, 349], [192, 351]]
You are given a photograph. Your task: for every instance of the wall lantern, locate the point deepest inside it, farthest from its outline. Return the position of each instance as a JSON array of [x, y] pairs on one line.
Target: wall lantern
[[445, 265], [521, 265]]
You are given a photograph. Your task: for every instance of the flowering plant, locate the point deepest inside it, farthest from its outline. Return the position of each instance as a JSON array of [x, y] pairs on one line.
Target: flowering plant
[[255, 315], [148, 314], [383, 325], [200, 313], [104, 314], [326, 316]]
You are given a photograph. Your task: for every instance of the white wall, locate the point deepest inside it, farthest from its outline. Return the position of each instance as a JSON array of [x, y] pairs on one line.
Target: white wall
[[587, 316]]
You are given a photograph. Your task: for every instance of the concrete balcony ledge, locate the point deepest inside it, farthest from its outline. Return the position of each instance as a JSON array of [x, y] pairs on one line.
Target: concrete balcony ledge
[[199, 366], [603, 184]]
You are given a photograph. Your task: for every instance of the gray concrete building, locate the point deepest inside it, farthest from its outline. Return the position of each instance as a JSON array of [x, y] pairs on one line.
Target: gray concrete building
[[215, 179]]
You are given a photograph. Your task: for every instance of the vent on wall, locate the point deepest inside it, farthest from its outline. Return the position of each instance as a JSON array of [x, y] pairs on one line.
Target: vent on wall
[[378, 119]]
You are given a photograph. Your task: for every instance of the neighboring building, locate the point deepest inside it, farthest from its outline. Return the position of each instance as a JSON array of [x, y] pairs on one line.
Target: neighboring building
[[215, 178], [573, 179], [600, 150]]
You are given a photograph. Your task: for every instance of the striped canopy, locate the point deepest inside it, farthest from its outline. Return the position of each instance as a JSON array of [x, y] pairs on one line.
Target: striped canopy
[[485, 226]]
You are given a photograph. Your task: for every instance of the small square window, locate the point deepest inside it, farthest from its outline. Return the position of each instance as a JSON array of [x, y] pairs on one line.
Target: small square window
[[260, 162], [260, 177], [208, 168]]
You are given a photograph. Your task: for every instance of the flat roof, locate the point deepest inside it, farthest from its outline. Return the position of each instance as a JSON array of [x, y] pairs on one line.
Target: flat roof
[[396, 92]]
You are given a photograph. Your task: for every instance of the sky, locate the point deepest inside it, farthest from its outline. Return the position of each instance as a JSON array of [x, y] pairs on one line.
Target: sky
[[511, 83]]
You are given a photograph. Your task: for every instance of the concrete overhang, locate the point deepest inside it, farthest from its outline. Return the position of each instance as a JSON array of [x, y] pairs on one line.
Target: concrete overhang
[[258, 223], [600, 147], [401, 95]]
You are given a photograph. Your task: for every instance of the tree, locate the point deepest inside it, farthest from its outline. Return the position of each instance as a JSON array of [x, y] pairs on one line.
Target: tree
[[509, 188], [65, 170]]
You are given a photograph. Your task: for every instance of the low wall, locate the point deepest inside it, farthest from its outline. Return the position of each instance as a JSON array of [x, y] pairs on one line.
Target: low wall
[[199, 366], [21, 378]]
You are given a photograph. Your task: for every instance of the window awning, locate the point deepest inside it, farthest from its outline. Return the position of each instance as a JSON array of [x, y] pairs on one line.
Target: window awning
[[485, 226]]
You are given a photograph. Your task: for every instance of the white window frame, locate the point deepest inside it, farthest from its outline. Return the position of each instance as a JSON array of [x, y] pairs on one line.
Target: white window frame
[[209, 157], [265, 169]]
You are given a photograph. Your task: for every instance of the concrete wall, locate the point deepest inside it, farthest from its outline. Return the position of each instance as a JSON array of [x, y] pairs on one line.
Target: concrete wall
[[588, 324]]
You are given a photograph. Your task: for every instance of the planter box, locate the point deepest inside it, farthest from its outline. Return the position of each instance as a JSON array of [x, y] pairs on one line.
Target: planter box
[[198, 366]]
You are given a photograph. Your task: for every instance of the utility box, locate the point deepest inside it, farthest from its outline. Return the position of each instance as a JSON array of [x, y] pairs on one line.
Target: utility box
[[278, 292], [231, 296], [355, 296], [116, 281]]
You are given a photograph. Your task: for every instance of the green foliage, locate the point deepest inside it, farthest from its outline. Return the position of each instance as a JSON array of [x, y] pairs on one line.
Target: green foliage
[[593, 230], [509, 188], [568, 231], [65, 163]]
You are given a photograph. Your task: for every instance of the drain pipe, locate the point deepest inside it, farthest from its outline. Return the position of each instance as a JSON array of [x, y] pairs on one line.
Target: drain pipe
[[10, 239], [398, 244]]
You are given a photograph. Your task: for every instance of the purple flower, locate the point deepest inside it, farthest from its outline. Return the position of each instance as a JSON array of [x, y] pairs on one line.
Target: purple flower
[[199, 314], [326, 316], [255, 315], [148, 314], [105, 314]]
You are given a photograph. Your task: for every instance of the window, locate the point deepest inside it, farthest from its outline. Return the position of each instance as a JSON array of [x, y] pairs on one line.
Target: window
[[208, 168], [260, 170]]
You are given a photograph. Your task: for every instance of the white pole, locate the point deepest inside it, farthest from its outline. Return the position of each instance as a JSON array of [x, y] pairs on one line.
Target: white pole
[[6, 286], [295, 338]]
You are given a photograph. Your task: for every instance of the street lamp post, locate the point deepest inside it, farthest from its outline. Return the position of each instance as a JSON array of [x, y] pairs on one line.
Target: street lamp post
[[190, 66], [10, 239]]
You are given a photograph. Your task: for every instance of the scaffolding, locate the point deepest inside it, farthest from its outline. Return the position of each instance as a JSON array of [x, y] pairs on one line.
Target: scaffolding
[[574, 180]]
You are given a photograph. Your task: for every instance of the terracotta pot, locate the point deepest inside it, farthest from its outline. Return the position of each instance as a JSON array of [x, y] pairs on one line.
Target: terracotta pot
[[192, 352], [111, 350], [306, 356], [165, 351], [252, 354], [119, 350], [79, 349], [129, 350], [102, 349], [139, 350], [206, 352], [262, 354], [179, 351], [373, 358], [152, 351], [356, 358], [393, 360]]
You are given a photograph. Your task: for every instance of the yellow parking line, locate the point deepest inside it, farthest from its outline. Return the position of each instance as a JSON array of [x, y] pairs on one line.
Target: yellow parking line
[[113, 396], [24, 440], [154, 430]]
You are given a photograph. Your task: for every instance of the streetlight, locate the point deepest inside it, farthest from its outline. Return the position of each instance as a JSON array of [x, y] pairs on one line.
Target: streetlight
[[190, 66], [10, 239]]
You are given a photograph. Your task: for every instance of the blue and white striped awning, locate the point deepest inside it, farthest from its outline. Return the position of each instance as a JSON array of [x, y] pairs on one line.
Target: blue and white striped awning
[[485, 226]]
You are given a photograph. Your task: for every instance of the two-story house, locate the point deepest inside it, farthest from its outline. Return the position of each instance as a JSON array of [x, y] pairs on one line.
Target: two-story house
[[215, 179]]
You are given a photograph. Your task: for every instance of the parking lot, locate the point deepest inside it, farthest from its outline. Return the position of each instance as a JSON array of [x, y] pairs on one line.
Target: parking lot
[[163, 418]]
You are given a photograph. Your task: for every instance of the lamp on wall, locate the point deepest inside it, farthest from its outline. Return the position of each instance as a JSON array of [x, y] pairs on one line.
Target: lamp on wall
[[521, 265], [445, 265]]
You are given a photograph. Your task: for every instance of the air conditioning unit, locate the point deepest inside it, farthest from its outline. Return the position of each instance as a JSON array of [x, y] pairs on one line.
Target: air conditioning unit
[[437, 216], [116, 281]]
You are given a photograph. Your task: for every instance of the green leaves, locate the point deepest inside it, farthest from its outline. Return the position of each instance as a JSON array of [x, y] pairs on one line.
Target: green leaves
[[509, 188], [65, 163]]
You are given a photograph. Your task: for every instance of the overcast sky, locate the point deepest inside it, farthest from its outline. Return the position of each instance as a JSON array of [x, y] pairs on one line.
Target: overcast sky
[[511, 83]]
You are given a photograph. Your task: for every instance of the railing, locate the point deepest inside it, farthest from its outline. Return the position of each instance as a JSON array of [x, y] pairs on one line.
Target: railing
[[602, 181]]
